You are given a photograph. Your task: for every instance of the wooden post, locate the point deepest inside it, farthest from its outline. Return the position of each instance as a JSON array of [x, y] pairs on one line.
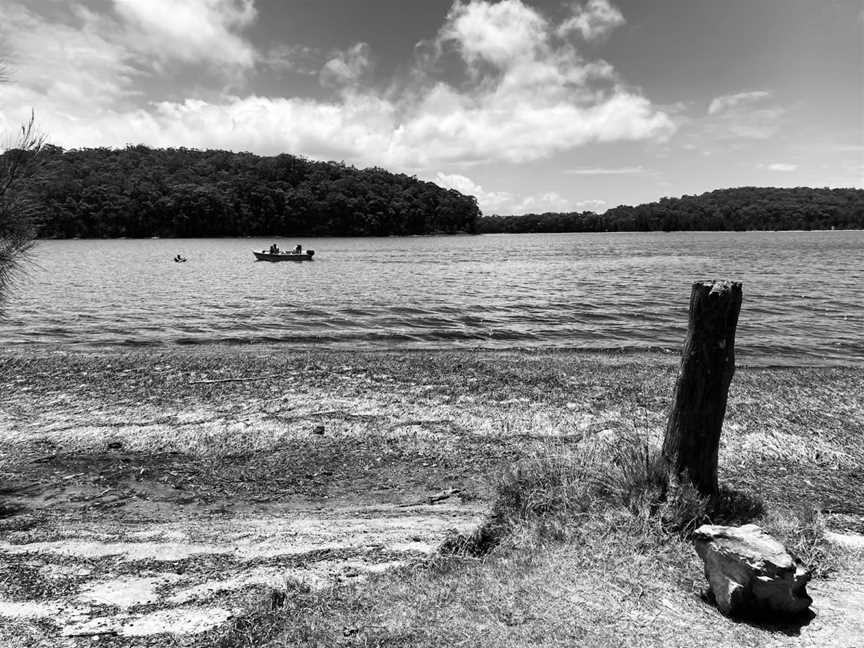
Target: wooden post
[[693, 431]]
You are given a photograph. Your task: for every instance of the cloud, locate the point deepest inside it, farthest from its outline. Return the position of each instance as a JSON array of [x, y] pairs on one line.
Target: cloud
[[508, 203], [347, 68], [746, 115], [62, 67], [531, 96], [491, 202], [591, 205], [193, 31], [80, 64], [782, 167], [500, 33], [592, 21], [607, 171], [525, 94], [726, 103], [301, 59]]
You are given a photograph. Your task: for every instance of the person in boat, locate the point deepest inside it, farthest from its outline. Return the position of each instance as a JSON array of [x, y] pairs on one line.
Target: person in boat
[[298, 249]]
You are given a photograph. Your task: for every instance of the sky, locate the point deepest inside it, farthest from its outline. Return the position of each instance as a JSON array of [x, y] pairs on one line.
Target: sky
[[530, 105]]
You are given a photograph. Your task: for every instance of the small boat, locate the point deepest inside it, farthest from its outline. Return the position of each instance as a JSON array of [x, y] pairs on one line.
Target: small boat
[[284, 256], [180, 259]]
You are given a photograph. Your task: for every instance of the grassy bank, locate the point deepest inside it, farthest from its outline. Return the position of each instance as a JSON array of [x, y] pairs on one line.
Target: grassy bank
[[207, 434]]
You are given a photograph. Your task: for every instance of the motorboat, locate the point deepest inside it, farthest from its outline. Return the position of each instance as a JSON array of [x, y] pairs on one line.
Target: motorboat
[[264, 255]]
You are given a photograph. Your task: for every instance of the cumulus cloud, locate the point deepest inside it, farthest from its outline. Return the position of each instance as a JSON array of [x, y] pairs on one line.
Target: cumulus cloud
[[509, 203], [525, 95], [192, 30], [532, 96], [591, 205], [60, 69], [347, 68], [501, 33], [592, 21], [490, 202], [83, 63]]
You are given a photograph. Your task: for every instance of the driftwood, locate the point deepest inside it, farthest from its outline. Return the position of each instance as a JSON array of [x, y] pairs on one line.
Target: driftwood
[[692, 437]]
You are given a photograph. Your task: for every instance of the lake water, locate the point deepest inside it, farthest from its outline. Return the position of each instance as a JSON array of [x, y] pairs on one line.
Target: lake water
[[803, 293]]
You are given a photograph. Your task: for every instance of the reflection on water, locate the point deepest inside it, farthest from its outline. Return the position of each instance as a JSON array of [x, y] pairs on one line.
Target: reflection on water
[[803, 296]]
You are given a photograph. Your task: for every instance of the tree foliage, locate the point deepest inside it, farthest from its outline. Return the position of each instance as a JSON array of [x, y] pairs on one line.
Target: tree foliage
[[744, 208], [18, 214], [142, 192]]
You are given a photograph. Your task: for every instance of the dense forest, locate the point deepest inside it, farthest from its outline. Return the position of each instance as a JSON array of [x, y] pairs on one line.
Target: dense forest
[[745, 208], [142, 192]]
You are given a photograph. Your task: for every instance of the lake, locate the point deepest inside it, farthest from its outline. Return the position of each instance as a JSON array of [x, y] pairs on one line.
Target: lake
[[803, 293]]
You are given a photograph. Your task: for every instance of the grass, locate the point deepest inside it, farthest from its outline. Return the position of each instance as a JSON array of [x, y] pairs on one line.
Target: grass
[[557, 486], [576, 549]]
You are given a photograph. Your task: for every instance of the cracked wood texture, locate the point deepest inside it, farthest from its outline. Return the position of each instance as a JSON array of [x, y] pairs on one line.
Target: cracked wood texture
[[692, 437]]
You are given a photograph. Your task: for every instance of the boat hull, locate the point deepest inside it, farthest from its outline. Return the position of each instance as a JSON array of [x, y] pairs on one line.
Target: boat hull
[[265, 256]]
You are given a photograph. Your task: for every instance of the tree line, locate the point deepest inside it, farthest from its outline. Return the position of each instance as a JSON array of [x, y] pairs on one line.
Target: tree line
[[744, 208], [143, 192], [139, 191]]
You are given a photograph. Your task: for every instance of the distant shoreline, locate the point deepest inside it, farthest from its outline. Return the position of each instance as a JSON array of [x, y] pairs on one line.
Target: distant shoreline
[[411, 236]]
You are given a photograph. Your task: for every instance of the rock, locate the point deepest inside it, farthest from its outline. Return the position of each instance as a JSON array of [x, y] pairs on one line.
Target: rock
[[751, 574]]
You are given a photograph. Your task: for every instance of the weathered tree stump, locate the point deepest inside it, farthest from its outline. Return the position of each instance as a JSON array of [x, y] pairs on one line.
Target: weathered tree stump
[[693, 431]]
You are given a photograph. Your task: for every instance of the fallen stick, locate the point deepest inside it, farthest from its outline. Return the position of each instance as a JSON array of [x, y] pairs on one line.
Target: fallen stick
[[432, 499], [91, 632]]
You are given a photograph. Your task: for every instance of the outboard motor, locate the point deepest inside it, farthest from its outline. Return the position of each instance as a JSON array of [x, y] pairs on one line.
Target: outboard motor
[[311, 253]]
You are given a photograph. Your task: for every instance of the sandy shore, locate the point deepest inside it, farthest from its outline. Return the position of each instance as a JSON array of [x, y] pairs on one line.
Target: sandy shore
[[172, 490]]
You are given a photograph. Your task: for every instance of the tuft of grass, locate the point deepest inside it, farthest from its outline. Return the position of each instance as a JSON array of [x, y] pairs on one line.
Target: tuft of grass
[[802, 531], [556, 486]]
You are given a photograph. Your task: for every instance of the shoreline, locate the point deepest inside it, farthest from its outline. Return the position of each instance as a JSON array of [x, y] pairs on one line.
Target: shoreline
[[229, 349], [448, 235]]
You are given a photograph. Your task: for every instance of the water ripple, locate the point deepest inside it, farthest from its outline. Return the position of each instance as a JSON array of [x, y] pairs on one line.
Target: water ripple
[[629, 292]]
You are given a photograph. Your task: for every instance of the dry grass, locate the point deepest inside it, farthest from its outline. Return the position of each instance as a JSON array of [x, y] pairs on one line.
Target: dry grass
[[556, 486], [577, 550]]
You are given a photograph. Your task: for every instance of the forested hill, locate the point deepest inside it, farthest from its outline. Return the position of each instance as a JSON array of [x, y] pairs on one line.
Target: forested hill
[[143, 192], [745, 208]]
